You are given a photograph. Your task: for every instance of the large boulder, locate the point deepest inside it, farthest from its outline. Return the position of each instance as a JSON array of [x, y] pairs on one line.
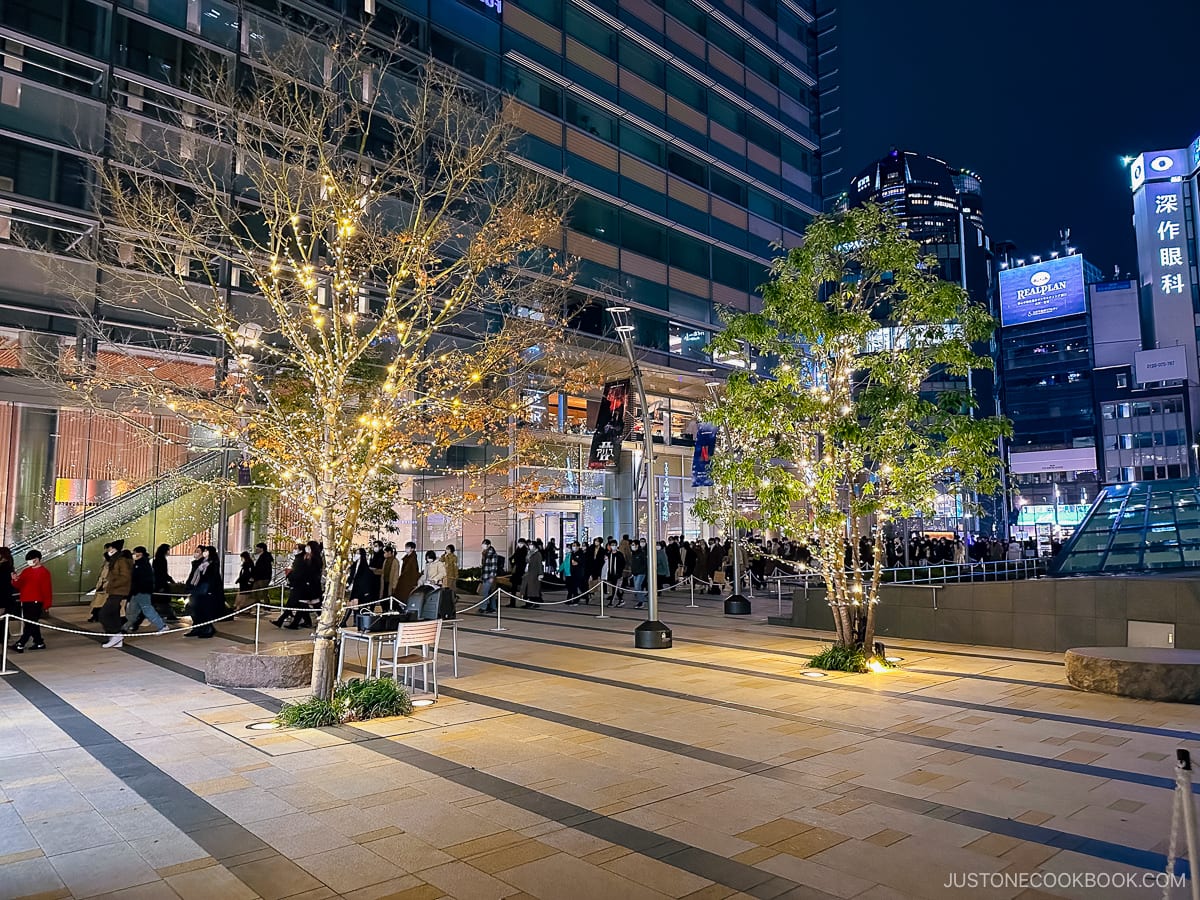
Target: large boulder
[[283, 665], [1148, 673]]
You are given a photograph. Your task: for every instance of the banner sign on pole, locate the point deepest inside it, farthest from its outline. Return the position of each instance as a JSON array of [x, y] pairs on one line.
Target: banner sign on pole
[[706, 445], [610, 427]]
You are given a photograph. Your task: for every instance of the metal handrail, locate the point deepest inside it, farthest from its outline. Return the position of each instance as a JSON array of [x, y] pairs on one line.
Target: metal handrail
[[114, 512]]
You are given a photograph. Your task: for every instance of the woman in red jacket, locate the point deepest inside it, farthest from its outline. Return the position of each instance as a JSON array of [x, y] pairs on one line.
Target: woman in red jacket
[[36, 593]]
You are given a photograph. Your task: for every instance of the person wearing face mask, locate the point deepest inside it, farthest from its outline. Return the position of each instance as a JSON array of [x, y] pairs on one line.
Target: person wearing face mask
[[637, 571], [207, 587], [490, 568], [101, 585], [519, 558], [36, 594], [264, 571], [450, 561], [119, 586], [531, 584], [141, 598], [579, 573], [614, 565], [376, 590], [410, 573]]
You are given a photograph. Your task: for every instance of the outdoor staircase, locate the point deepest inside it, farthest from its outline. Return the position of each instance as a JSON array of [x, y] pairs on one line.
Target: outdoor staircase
[[167, 510]]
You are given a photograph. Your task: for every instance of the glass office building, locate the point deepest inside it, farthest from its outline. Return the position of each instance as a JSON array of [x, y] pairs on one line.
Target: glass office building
[[686, 131]]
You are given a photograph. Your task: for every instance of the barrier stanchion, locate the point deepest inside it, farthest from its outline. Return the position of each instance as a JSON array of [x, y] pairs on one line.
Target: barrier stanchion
[[257, 622], [779, 587], [692, 588], [602, 615], [4, 669], [499, 627]]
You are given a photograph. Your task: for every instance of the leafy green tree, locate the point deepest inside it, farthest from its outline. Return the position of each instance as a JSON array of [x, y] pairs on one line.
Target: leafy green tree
[[837, 438]]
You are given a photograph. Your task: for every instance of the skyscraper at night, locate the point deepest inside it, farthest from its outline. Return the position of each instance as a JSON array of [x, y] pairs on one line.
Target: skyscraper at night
[[686, 131]]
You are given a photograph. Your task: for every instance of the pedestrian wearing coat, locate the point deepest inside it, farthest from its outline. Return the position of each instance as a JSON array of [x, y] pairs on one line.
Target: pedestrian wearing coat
[[531, 584], [119, 587], [36, 595], [306, 588], [207, 586], [141, 600], [410, 573], [520, 558], [614, 564]]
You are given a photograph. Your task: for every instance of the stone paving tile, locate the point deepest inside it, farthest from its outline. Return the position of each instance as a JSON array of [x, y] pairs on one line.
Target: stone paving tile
[[425, 835]]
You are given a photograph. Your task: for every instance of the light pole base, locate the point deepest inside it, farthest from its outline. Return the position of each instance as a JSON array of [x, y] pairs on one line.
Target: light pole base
[[652, 636], [737, 605]]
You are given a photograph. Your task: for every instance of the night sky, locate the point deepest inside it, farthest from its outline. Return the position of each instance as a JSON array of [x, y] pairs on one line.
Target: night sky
[[1039, 99]]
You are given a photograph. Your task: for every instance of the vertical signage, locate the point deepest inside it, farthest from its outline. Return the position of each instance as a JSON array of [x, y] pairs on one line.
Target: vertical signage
[[706, 444], [610, 426], [1162, 239]]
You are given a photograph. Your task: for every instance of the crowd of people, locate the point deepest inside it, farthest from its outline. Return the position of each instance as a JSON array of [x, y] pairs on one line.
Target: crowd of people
[[134, 586]]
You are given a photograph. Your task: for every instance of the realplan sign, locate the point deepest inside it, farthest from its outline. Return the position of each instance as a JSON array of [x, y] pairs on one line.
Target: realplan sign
[[497, 5]]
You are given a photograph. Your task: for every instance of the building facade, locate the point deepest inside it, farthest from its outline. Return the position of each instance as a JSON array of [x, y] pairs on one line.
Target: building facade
[[687, 133], [942, 209]]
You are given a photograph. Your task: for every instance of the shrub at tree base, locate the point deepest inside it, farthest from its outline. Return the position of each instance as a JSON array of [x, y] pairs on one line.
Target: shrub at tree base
[[353, 701], [838, 658]]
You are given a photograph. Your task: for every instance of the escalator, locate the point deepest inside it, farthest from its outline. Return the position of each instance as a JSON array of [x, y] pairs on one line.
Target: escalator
[[167, 510]]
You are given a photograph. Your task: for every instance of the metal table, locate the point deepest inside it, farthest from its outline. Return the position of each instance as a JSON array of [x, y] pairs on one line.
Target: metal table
[[376, 640]]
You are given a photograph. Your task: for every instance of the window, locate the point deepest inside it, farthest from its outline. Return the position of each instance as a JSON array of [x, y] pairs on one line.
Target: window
[[77, 23], [643, 237], [590, 32], [643, 63], [45, 174], [1122, 381], [726, 40], [687, 168], [728, 189], [550, 10], [594, 217], [160, 55], [638, 143], [690, 343], [590, 119], [689, 254], [730, 269], [688, 13], [468, 59], [534, 91], [681, 87], [725, 113]]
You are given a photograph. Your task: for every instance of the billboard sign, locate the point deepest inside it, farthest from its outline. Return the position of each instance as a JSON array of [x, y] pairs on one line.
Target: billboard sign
[[1157, 165], [1069, 459], [706, 445], [1163, 364], [610, 426], [1162, 228], [1046, 290]]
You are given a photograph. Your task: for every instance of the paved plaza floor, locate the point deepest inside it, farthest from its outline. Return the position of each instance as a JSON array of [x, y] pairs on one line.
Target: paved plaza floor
[[563, 763]]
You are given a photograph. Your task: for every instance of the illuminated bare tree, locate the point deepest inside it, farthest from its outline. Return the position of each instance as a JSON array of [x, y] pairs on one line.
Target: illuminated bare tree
[[368, 257]]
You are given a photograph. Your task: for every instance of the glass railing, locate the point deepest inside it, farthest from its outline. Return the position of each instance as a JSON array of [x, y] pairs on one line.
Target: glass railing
[[111, 515]]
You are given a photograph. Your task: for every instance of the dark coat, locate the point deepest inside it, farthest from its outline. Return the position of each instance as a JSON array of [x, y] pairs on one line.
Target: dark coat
[[519, 557], [264, 566], [410, 576], [162, 574], [305, 580], [531, 584], [142, 580]]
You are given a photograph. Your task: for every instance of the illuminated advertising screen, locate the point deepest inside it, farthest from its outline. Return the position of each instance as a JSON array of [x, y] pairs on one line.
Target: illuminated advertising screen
[[1046, 290]]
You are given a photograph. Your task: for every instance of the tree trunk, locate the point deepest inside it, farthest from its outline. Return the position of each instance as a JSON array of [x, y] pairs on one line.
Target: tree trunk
[[337, 539], [871, 598]]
